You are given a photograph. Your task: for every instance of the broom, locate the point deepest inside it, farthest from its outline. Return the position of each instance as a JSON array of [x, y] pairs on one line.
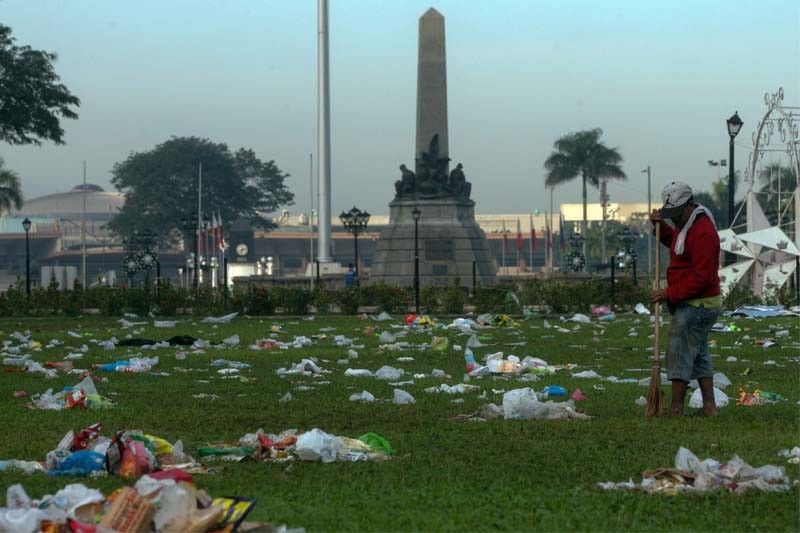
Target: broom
[[655, 396]]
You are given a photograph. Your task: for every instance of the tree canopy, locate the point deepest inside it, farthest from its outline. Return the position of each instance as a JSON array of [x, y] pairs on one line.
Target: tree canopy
[[583, 154], [32, 99], [160, 187], [10, 190]]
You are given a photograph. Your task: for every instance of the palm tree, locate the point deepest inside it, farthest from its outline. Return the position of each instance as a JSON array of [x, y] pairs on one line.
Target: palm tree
[[583, 154], [10, 190]]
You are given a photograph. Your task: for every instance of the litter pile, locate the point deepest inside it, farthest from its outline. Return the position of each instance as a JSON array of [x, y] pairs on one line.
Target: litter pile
[[692, 475], [496, 363], [313, 445], [524, 404], [757, 397], [84, 395], [129, 454], [168, 503]]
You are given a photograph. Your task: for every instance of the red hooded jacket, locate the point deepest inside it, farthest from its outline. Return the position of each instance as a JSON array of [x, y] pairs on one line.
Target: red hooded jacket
[[692, 274]]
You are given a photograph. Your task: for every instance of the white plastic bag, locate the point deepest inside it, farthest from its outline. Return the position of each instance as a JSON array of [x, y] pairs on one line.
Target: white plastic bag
[[401, 397], [363, 396], [358, 373], [580, 318], [687, 461], [519, 403], [587, 374], [233, 340], [720, 398], [316, 445], [389, 373]]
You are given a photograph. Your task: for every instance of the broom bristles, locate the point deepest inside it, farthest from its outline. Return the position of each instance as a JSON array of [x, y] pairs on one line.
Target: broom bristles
[[655, 395]]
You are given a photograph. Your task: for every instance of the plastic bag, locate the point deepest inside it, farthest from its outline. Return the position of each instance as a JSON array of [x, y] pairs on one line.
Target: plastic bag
[[386, 338], [80, 463], [389, 373], [377, 443], [20, 520], [580, 318], [586, 374], [402, 397], [554, 390], [136, 460], [363, 396], [720, 398], [316, 445], [686, 460], [519, 403]]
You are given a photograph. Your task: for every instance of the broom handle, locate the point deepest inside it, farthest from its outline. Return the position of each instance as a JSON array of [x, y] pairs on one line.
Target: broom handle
[[657, 310]]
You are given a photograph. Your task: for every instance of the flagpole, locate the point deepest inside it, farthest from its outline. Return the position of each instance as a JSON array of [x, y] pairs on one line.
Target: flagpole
[[517, 246], [530, 242], [547, 251], [83, 231], [311, 217], [199, 219], [503, 264]]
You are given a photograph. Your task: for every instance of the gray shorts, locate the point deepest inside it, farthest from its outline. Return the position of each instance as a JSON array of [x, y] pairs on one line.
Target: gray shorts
[[687, 346]]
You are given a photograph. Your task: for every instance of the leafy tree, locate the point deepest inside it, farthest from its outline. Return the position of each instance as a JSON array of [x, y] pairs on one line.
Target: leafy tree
[[32, 99], [716, 200], [10, 190], [583, 154], [160, 187]]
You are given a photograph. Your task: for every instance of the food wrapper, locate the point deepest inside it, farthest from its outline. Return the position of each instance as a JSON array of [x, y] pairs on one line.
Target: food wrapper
[[234, 511]]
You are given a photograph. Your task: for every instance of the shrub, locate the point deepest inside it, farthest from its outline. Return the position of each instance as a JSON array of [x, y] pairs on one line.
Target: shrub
[[388, 298], [453, 299], [739, 296], [348, 300], [430, 299], [323, 299], [490, 299]]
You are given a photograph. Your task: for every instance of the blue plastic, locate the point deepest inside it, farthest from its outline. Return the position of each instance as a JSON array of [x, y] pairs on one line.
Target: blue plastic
[[80, 463], [554, 390]]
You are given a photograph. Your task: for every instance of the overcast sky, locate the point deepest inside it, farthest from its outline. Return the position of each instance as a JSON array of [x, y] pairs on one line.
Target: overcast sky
[[660, 78]]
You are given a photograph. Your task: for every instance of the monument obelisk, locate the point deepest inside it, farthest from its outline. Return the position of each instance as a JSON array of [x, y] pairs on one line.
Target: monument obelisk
[[451, 245], [431, 84]]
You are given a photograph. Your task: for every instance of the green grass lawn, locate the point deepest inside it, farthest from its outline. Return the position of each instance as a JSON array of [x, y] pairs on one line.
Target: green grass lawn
[[447, 474]]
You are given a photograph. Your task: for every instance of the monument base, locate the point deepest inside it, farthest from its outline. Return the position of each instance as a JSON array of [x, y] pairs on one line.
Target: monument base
[[450, 243]]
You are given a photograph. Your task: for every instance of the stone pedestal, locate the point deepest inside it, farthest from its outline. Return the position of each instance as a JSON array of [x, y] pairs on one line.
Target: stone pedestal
[[449, 242]]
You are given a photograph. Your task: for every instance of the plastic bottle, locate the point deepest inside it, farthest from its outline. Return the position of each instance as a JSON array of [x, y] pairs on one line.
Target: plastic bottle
[[469, 358]]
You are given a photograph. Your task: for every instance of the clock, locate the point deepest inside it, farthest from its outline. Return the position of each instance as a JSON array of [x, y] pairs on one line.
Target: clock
[[241, 249]]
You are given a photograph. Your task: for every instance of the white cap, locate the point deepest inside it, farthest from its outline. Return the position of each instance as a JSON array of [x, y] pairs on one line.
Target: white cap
[[675, 196]]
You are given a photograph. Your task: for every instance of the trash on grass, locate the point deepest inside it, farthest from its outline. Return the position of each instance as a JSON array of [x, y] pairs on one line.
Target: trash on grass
[[692, 475], [720, 399]]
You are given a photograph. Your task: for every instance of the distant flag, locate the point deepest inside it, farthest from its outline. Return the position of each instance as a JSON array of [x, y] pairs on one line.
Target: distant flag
[[505, 238], [561, 241], [218, 232], [519, 237], [212, 230], [533, 233]]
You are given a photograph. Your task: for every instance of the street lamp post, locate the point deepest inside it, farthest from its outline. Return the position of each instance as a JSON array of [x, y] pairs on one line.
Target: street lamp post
[[734, 125], [416, 214], [355, 221], [26, 225]]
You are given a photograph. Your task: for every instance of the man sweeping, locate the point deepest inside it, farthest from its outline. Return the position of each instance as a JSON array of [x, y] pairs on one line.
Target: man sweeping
[[692, 294]]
